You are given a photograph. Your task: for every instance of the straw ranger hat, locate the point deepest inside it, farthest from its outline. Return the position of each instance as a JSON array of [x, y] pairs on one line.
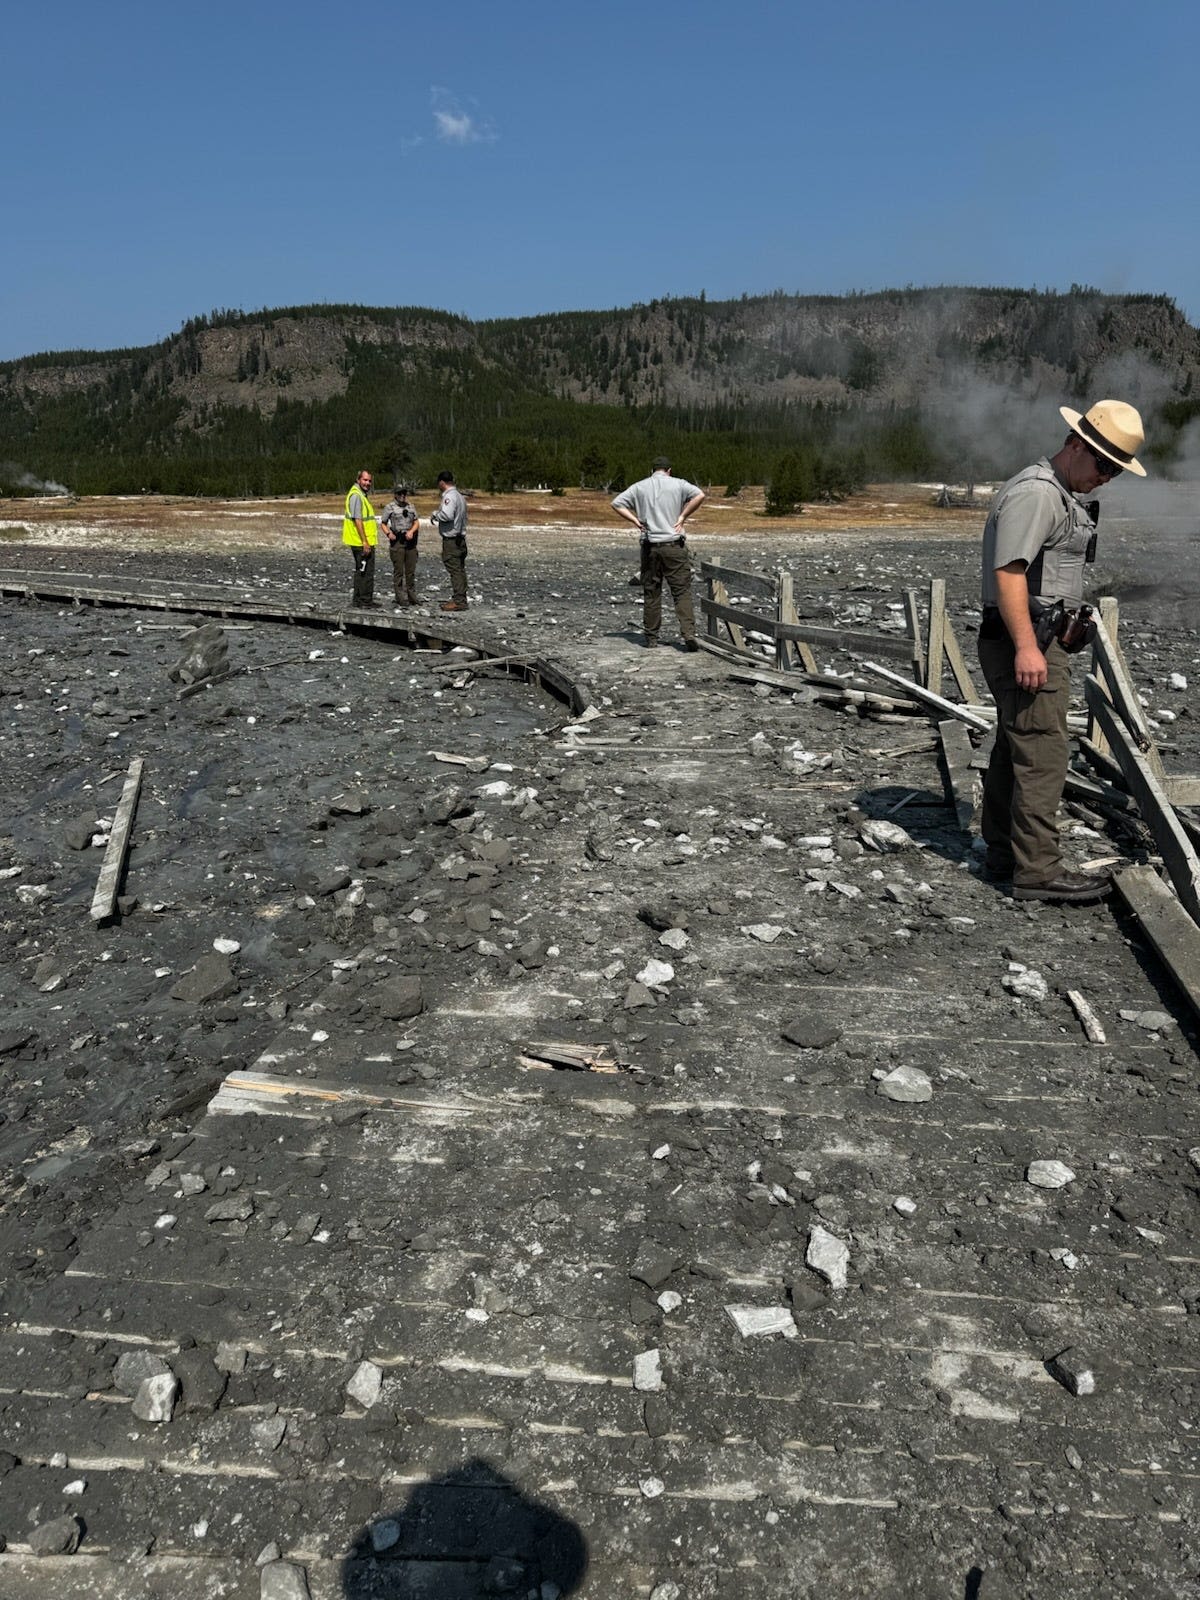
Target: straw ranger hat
[[1114, 429]]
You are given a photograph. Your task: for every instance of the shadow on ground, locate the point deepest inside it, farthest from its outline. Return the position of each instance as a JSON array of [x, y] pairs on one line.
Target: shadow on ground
[[469, 1533]]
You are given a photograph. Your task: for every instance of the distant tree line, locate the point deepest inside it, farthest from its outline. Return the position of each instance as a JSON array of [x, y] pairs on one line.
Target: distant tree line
[[577, 398]]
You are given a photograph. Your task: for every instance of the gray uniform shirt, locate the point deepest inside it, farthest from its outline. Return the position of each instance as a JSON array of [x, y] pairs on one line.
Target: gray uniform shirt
[[1036, 520], [656, 502], [450, 518], [401, 519]]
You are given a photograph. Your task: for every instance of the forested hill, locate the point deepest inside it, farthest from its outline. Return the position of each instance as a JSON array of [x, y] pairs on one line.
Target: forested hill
[[287, 400]]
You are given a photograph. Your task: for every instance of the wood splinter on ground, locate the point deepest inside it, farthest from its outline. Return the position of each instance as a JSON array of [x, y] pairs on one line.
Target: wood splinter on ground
[[1088, 1019], [104, 901], [549, 1054]]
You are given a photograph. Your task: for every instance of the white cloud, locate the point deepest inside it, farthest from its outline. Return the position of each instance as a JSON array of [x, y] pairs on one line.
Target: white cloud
[[455, 124]]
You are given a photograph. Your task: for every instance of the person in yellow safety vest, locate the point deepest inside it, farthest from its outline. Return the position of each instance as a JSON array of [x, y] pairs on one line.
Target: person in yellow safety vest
[[360, 531]]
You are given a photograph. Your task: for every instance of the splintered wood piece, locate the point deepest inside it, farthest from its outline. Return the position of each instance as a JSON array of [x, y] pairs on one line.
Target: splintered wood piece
[[1088, 1019], [1167, 925], [545, 1054], [958, 665], [472, 763], [472, 665], [956, 755], [973, 719], [913, 617], [104, 901], [1114, 676], [937, 635]]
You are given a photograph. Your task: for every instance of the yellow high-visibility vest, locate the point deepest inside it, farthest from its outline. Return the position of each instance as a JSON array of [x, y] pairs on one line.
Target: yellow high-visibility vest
[[370, 526]]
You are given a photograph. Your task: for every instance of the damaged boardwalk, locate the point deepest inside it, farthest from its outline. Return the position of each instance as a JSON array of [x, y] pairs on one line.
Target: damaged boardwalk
[[442, 1289]]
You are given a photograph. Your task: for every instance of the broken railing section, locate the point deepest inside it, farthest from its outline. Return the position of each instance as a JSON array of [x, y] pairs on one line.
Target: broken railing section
[[108, 885], [1115, 738]]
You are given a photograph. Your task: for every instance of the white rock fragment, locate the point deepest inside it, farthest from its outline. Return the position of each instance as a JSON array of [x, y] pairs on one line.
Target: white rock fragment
[[1065, 1258], [647, 1371], [670, 1300], [674, 939], [1049, 1174], [661, 1154], [284, 1580], [764, 932], [226, 947], [1027, 984], [651, 1488], [828, 1255], [885, 837], [909, 1085], [1177, 681], [905, 1206], [1151, 1021], [656, 973], [366, 1385], [156, 1397], [76, 1486], [752, 1320]]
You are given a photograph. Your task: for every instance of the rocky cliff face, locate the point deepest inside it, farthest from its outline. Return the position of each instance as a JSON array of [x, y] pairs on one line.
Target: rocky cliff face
[[893, 348]]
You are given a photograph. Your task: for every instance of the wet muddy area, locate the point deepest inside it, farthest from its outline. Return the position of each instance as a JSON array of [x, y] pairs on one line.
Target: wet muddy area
[[773, 1298]]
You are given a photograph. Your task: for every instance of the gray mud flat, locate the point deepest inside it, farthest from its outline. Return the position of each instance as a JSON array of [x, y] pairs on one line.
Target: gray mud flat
[[449, 1320]]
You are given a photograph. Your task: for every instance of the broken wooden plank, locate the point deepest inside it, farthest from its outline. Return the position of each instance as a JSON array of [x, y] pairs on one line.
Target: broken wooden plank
[[912, 617], [956, 759], [472, 763], [1120, 691], [1110, 617], [1101, 760], [1183, 789], [1157, 812], [1088, 1019], [719, 598], [974, 718], [849, 639], [104, 901], [1095, 792], [755, 582], [958, 665], [937, 635], [785, 612], [549, 1054], [471, 664], [1166, 924]]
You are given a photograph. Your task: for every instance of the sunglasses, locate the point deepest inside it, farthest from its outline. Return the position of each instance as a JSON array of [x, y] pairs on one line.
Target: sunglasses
[[1105, 467]]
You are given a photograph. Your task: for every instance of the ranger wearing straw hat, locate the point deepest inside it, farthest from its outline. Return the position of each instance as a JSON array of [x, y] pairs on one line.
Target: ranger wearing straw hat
[[1039, 536]]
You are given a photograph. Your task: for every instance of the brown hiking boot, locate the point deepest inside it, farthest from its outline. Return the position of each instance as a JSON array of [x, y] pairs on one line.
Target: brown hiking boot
[[454, 605], [1069, 888]]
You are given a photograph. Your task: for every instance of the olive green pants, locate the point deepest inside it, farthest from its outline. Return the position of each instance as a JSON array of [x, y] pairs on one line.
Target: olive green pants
[[404, 572], [454, 559], [669, 564], [1028, 767]]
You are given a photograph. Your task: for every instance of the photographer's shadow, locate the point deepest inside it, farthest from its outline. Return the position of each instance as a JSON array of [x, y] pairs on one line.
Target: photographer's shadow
[[468, 1533]]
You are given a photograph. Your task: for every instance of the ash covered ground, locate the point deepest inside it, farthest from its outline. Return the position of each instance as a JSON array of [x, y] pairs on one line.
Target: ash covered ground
[[447, 1322]]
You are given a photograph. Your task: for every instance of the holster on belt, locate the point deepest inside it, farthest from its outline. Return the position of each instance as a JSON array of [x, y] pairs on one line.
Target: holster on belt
[[1074, 628]]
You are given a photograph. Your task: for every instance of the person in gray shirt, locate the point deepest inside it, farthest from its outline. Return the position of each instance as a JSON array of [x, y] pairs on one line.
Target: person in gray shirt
[[1039, 535], [450, 519], [658, 507], [401, 524]]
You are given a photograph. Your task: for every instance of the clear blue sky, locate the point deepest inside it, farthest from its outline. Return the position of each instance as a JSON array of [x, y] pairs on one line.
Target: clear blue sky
[[503, 157]]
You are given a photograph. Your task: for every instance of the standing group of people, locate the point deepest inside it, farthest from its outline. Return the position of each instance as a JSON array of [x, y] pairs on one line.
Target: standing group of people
[[1039, 537], [402, 527]]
